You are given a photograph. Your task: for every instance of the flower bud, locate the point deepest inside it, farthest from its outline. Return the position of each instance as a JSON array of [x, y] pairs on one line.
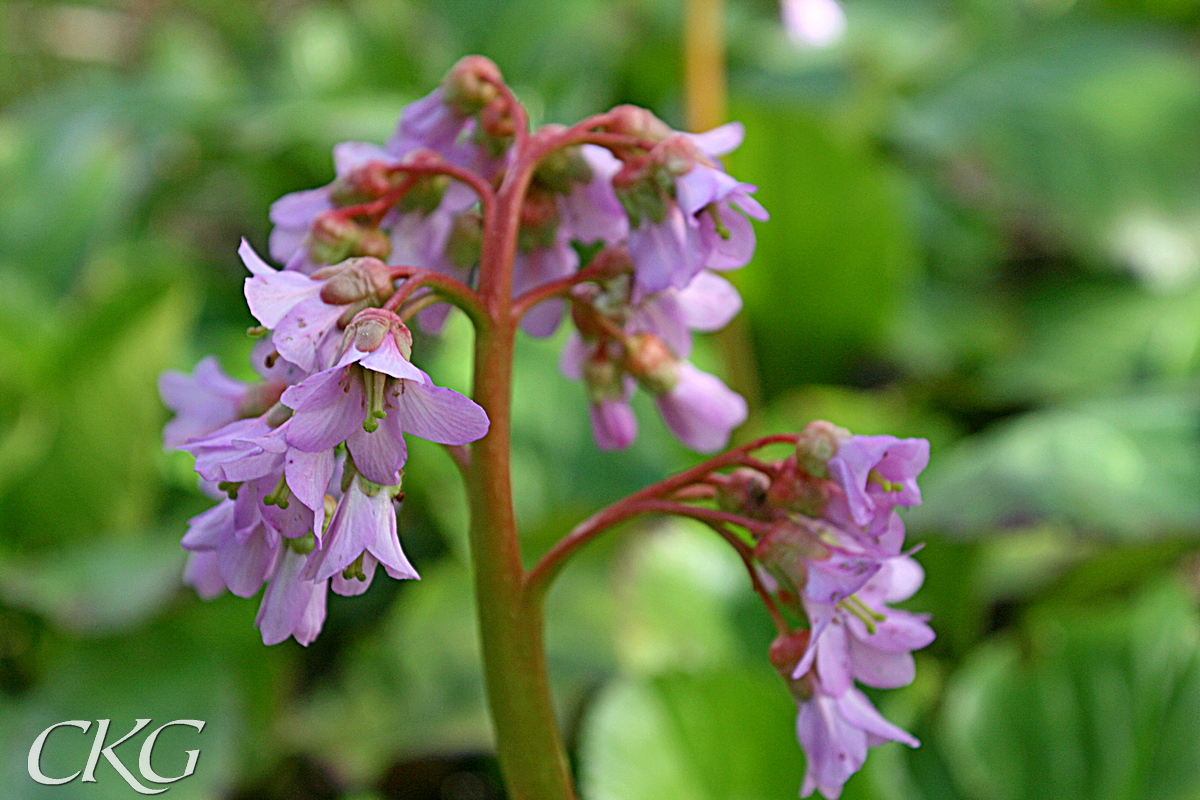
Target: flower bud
[[796, 491], [785, 653], [603, 378], [369, 328], [651, 362], [367, 182], [563, 169], [355, 279], [642, 194], [496, 124], [539, 220], [784, 551], [639, 122], [470, 84], [334, 238], [465, 242], [819, 442], [744, 491]]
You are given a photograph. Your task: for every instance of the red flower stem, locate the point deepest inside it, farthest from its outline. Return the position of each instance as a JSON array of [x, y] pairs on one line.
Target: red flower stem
[[747, 555], [540, 577], [376, 209], [452, 290], [531, 298], [519, 114]]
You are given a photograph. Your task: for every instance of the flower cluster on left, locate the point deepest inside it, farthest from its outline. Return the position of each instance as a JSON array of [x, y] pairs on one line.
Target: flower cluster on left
[[307, 463]]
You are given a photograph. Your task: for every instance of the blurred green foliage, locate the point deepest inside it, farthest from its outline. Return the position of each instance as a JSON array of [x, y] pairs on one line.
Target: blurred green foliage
[[986, 231]]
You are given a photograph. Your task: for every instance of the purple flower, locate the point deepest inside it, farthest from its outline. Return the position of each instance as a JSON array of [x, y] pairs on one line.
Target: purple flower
[[291, 605], [706, 304], [835, 732], [241, 556], [700, 409], [374, 395], [361, 534], [293, 214], [303, 310], [700, 223], [204, 401], [878, 473], [860, 638]]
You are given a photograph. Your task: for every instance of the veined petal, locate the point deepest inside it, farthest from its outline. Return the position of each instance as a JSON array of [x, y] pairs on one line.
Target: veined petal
[[380, 455], [436, 414], [327, 410]]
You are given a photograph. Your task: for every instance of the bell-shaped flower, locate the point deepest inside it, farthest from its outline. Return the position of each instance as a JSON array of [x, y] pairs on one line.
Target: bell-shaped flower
[[860, 638], [835, 732], [241, 559], [878, 473], [685, 214], [292, 605], [208, 400], [304, 311], [700, 410], [361, 534], [372, 397]]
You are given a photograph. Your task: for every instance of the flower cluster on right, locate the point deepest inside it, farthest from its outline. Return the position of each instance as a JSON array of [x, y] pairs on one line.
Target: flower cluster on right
[[831, 549]]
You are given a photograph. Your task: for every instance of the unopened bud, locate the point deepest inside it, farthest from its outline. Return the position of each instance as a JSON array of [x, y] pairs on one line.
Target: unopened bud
[[496, 123], [784, 551], [604, 378], [819, 442], [335, 238], [744, 491], [364, 183], [651, 362], [539, 221], [371, 326], [785, 653], [470, 84], [639, 122], [563, 169], [465, 242], [355, 279], [425, 195], [797, 491]]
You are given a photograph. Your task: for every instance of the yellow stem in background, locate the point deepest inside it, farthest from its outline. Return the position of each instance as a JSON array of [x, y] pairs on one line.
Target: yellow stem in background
[[704, 64], [706, 105]]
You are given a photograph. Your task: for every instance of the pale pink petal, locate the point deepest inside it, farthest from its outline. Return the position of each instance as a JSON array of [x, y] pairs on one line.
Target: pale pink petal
[[721, 140], [438, 415], [327, 410], [709, 302]]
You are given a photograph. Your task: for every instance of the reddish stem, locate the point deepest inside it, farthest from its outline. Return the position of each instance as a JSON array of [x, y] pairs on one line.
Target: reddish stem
[[453, 290], [747, 555], [539, 577]]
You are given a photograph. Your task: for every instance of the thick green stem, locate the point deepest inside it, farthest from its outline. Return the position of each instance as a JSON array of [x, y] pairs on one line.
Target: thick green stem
[[532, 758]]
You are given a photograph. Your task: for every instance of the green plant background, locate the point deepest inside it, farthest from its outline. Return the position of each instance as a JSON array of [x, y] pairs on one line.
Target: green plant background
[[986, 232]]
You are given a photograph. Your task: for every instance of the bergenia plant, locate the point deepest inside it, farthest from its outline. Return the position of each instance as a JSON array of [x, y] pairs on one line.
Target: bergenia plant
[[466, 206]]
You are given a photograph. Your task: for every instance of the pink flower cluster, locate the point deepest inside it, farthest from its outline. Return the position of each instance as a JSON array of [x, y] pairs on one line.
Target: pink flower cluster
[[832, 549], [660, 204], [310, 460]]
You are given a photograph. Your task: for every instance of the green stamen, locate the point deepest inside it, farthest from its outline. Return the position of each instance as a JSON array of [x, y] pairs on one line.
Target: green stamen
[[354, 571], [859, 609], [883, 483], [279, 495], [304, 544], [374, 383], [230, 488], [713, 212]]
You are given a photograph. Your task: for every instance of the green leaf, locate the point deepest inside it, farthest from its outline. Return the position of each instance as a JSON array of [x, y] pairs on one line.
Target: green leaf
[[1099, 704], [711, 736], [1121, 468]]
